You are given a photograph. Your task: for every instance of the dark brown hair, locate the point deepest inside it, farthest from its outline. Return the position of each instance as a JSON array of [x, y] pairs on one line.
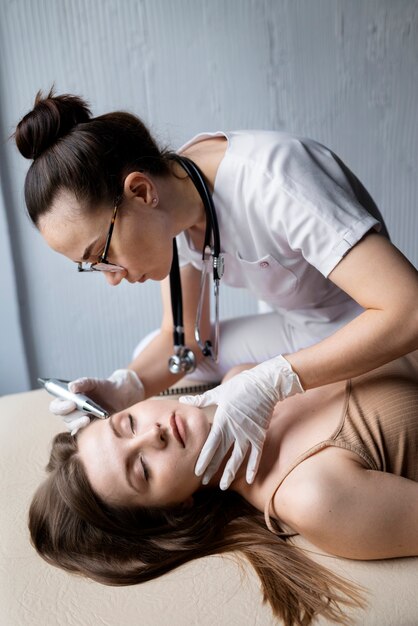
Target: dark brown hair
[[72, 528], [88, 156]]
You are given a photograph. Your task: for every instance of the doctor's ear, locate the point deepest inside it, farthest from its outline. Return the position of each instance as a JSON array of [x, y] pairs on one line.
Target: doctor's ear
[[139, 185]]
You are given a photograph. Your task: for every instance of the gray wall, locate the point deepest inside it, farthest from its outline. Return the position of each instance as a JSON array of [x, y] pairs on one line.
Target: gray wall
[[344, 72]]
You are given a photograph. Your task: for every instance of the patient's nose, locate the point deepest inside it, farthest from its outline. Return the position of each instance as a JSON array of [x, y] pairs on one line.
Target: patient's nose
[[155, 436]]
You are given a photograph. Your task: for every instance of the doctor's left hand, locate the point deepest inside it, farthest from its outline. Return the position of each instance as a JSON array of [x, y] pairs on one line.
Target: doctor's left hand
[[245, 406]]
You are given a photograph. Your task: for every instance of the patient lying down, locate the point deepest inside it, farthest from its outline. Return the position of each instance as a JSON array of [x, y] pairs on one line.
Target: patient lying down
[[122, 505]]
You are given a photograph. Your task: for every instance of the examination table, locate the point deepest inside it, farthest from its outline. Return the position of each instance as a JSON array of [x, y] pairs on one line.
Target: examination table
[[210, 591]]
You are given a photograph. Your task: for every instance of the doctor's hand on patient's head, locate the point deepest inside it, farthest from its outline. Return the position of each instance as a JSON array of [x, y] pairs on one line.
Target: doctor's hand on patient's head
[[245, 406], [122, 389]]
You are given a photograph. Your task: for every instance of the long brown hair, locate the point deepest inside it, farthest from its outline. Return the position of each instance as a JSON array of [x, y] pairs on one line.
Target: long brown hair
[[88, 156], [72, 528]]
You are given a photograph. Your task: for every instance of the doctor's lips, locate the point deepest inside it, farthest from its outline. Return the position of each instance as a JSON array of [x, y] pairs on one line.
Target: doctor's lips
[[177, 427]]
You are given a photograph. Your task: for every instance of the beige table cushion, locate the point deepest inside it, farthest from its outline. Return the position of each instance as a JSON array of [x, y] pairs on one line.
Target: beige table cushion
[[209, 591]]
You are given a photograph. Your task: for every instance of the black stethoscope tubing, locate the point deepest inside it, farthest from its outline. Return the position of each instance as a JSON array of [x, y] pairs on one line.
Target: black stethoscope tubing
[[176, 298], [183, 359], [212, 227]]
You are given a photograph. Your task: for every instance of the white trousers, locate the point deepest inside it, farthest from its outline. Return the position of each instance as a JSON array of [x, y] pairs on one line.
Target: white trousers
[[248, 339]]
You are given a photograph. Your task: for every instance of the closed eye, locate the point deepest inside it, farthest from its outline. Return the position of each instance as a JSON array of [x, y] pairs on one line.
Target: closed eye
[[99, 254], [143, 470], [144, 467], [132, 423]]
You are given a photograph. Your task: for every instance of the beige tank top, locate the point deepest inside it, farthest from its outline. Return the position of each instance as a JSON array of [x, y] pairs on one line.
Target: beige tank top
[[379, 422]]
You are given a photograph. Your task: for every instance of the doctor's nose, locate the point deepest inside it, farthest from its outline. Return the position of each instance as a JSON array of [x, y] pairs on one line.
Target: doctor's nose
[[115, 278]]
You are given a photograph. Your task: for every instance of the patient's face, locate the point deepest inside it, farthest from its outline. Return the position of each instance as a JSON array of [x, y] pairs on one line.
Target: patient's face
[[136, 457]]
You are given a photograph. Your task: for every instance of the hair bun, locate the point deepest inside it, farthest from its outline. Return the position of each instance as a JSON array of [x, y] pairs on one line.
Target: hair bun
[[52, 117]]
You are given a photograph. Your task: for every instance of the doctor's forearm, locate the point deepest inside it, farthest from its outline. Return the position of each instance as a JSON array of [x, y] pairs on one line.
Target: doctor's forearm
[[382, 280], [151, 364], [372, 339]]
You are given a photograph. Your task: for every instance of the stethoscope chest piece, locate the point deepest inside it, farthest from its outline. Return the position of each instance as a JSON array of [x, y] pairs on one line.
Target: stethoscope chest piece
[[183, 361]]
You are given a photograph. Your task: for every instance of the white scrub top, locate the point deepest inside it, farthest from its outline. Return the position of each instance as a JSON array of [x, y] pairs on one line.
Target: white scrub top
[[287, 215]]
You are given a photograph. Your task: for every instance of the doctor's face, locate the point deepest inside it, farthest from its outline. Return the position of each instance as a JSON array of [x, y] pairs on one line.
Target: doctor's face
[[145, 455], [141, 241]]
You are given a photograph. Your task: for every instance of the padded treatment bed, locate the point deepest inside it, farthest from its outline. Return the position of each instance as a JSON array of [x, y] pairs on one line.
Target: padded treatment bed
[[213, 590]]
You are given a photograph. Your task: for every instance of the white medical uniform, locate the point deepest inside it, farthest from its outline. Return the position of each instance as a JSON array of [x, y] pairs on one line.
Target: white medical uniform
[[288, 211]]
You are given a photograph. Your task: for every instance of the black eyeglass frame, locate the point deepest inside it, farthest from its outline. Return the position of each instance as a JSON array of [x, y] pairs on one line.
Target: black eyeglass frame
[[109, 267]]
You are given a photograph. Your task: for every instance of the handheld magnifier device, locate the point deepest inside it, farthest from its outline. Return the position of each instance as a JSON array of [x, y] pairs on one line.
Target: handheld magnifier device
[[59, 388]]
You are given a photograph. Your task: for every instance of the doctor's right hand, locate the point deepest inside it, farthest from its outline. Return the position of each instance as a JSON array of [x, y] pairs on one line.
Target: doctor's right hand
[[245, 406], [122, 389]]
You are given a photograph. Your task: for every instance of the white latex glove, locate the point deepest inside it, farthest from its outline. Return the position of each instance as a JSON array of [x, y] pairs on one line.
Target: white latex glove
[[122, 389], [245, 406], [72, 418]]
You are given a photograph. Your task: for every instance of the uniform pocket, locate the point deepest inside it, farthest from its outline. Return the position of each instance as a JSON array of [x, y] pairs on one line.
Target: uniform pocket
[[266, 277]]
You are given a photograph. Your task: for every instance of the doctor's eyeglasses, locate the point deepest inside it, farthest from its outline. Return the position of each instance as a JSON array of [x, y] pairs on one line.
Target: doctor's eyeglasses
[[103, 265]]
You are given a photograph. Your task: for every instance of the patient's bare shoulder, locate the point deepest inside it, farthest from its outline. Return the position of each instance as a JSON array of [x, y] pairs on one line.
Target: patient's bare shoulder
[[311, 490]]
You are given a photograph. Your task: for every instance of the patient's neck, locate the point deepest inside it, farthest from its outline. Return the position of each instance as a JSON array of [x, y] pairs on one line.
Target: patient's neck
[[268, 460], [239, 479]]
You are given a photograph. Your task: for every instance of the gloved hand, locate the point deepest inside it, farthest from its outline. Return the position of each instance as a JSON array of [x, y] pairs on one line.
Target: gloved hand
[[245, 406], [72, 418], [117, 392]]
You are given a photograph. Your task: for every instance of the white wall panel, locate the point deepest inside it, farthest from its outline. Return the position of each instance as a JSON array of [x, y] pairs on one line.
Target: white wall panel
[[14, 374], [343, 72]]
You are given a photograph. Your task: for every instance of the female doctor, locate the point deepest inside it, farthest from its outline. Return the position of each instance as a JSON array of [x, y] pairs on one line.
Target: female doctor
[[296, 228]]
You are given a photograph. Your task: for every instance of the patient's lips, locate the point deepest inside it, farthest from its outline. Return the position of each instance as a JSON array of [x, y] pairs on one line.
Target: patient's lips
[[178, 429]]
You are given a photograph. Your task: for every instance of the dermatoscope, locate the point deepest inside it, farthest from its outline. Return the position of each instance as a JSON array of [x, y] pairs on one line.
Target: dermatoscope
[[59, 388]]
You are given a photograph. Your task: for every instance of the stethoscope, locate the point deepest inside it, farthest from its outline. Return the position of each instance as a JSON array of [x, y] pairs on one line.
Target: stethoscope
[[184, 359]]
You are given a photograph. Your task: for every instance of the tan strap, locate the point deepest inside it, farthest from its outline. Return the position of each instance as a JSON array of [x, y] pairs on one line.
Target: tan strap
[[313, 450]]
